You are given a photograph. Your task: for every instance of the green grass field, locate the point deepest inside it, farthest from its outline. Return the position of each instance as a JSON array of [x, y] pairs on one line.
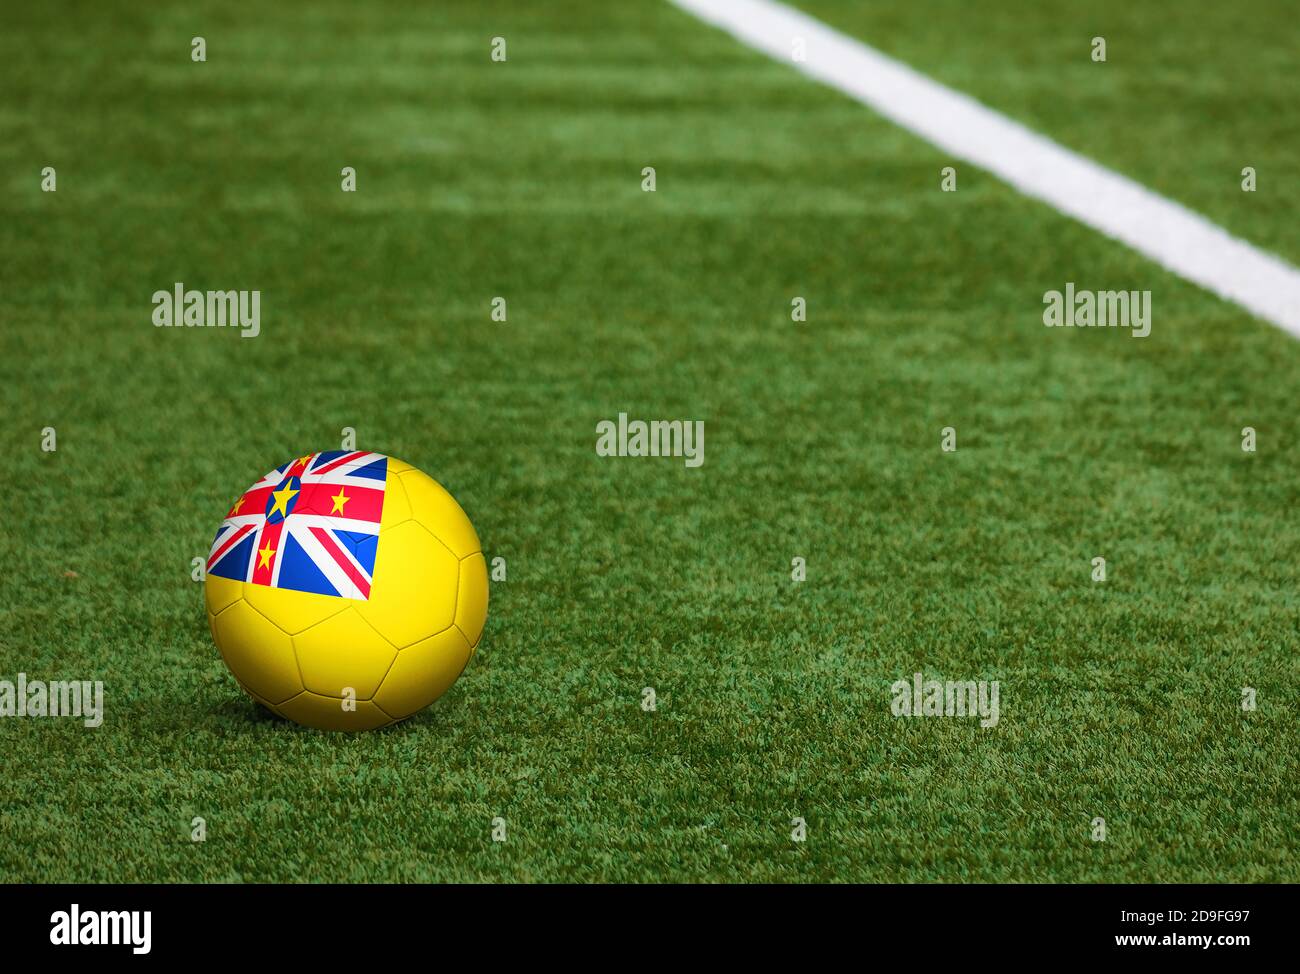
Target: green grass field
[[522, 179]]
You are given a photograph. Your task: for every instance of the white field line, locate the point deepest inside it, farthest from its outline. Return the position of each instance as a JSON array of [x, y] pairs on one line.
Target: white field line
[[1169, 234]]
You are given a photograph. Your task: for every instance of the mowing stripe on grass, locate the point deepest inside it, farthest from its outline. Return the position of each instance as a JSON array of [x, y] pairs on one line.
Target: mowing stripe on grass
[[1166, 232]]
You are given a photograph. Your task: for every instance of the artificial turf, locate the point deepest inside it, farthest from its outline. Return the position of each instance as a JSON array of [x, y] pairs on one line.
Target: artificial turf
[[522, 179], [1186, 98]]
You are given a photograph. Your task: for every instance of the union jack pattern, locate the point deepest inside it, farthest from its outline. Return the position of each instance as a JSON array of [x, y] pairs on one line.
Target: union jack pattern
[[311, 525]]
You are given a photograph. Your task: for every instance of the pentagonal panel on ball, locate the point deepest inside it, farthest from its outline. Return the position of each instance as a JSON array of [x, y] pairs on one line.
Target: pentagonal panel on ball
[[258, 652], [438, 511], [472, 597], [423, 672], [291, 610], [414, 590], [328, 713], [343, 651]]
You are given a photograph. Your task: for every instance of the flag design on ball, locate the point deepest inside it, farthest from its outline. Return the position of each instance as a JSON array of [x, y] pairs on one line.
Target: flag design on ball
[[311, 525]]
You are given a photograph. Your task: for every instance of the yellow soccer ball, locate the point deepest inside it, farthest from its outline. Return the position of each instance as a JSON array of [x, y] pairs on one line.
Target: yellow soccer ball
[[346, 590]]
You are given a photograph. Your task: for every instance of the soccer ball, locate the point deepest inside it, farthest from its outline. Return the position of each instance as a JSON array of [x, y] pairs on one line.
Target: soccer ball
[[346, 590]]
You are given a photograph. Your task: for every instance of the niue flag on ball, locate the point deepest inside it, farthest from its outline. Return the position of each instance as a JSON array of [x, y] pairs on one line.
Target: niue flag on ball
[[311, 525]]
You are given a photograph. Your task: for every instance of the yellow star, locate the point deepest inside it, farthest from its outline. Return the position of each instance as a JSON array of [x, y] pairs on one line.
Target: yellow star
[[303, 460], [339, 500], [238, 504], [282, 498], [266, 554]]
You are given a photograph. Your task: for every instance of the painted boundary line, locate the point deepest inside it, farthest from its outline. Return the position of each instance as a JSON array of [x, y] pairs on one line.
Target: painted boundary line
[[1168, 233]]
